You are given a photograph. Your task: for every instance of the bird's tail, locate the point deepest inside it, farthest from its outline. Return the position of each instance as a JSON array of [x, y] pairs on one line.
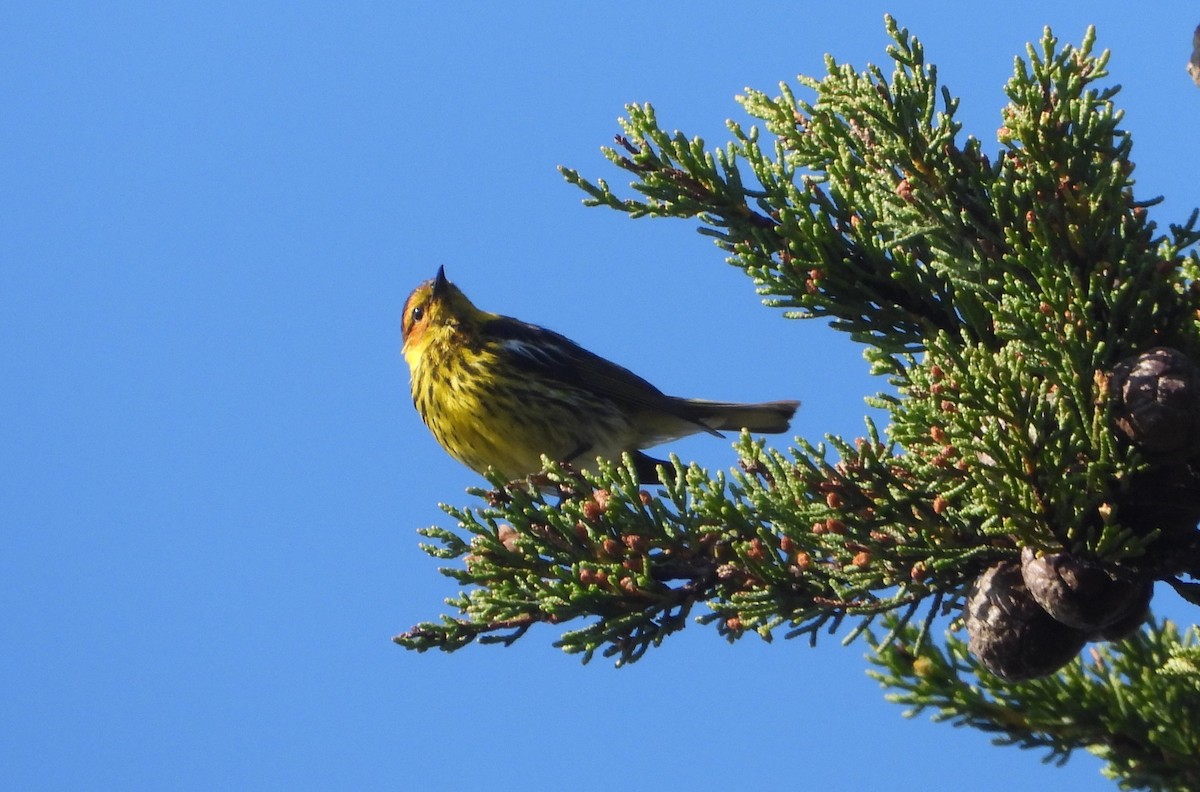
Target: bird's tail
[[765, 417]]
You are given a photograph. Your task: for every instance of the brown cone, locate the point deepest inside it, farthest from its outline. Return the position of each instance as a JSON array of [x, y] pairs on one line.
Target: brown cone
[[1083, 594], [1010, 634]]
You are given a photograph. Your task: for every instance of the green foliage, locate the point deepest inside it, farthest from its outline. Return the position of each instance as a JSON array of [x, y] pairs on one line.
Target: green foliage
[[790, 541], [1135, 703], [996, 292], [996, 297], [867, 208]]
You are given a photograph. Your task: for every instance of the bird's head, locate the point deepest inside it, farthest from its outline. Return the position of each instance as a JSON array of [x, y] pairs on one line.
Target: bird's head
[[435, 308]]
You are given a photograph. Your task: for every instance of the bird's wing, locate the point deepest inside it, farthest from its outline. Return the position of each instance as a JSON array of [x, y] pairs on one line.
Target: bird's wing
[[545, 353]]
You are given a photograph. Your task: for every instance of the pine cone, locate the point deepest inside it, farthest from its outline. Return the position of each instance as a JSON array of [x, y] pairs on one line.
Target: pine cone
[[1135, 615], [1084, 594], [1010, 634], [1157, 406]]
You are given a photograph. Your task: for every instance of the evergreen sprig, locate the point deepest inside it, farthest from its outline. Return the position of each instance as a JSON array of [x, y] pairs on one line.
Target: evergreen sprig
[[795, 542], [1134, 703]]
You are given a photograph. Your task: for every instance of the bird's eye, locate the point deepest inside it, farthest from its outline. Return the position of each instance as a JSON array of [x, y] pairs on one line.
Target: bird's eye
[[418, 313]]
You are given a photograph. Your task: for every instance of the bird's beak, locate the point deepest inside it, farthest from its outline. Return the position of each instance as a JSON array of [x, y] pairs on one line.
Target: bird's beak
[[440, 283]]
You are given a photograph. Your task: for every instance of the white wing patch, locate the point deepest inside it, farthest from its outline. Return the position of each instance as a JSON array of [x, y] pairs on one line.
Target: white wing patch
[[537, 354]]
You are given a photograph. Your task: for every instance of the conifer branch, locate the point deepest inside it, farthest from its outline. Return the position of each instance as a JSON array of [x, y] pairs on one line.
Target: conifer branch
[[1041, 340], [1115, 703]]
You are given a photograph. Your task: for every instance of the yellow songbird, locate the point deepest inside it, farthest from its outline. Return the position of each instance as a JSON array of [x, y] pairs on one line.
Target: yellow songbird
[[499, 393]]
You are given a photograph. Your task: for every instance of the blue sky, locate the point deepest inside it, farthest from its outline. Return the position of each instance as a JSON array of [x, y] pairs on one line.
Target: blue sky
[[212, 214]]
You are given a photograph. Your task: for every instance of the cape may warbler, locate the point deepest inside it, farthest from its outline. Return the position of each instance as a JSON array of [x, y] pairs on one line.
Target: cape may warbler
[[497, 392]]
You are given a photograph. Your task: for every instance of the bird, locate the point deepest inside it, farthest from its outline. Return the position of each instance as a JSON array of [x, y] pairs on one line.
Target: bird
[[498, 393]]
